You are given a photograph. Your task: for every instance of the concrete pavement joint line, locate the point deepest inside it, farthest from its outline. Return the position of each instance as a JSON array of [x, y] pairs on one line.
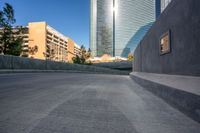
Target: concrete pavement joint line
[[35, 65]]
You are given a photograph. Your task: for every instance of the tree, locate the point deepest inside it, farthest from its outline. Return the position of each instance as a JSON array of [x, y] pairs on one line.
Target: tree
[[10, 40], [130, 57], [83, 53], [76, 59], [50, 53], [89, 54], [83, 57], [14, 47], [32, 50]]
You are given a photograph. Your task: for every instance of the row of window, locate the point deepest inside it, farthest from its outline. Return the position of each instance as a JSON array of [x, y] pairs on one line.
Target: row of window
[[56, 39]]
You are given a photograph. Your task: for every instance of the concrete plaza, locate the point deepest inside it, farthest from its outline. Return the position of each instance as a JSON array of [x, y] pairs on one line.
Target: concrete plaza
[[84, 103]]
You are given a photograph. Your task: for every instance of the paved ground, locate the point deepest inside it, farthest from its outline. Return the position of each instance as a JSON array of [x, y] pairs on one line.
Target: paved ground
[[84, 103]]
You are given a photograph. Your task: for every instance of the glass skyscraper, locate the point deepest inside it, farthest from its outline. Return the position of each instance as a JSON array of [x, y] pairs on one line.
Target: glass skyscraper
[[117, 26], [101, 26]]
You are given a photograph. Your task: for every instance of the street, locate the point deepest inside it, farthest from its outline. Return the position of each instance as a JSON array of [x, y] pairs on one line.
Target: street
[[84, 103]]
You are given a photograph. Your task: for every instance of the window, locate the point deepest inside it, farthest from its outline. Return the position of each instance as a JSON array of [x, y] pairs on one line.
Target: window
[[165, 43], [26, 41]]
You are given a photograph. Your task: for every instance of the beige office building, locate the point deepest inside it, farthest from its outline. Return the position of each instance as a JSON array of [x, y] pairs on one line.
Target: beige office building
[[50, 43]]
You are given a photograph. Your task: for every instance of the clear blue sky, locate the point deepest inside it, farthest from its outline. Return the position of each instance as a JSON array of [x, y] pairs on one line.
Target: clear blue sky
[[70, 17]]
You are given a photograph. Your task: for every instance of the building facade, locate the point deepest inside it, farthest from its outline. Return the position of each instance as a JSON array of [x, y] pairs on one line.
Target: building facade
[[50, 43], [101, 33], [73, 50], [117, 26]]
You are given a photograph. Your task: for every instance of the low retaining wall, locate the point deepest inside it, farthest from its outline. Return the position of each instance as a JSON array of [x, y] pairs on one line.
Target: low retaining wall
[[124, 65], [20, 63]]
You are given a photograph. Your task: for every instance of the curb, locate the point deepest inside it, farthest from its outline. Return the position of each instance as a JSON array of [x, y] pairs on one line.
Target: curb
[[56, 71], [186, 102]]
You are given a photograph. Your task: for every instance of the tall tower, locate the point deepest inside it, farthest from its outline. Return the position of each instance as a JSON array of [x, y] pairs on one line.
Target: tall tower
[[118, 26], [101, 27]]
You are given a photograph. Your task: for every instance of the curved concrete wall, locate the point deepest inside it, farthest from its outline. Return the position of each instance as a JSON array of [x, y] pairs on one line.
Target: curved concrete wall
[[124, 65], [20, 63], [182, 18]]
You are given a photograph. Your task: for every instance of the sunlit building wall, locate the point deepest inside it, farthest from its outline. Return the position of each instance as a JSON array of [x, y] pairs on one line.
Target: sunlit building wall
[[72, 50], [51, 44]]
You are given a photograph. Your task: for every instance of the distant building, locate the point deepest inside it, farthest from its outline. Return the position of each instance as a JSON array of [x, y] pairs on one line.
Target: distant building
[[51, 44], [106, 58], [118, 26]]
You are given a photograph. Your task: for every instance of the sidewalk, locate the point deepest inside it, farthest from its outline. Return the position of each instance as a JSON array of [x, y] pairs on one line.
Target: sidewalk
[[185, 83]]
